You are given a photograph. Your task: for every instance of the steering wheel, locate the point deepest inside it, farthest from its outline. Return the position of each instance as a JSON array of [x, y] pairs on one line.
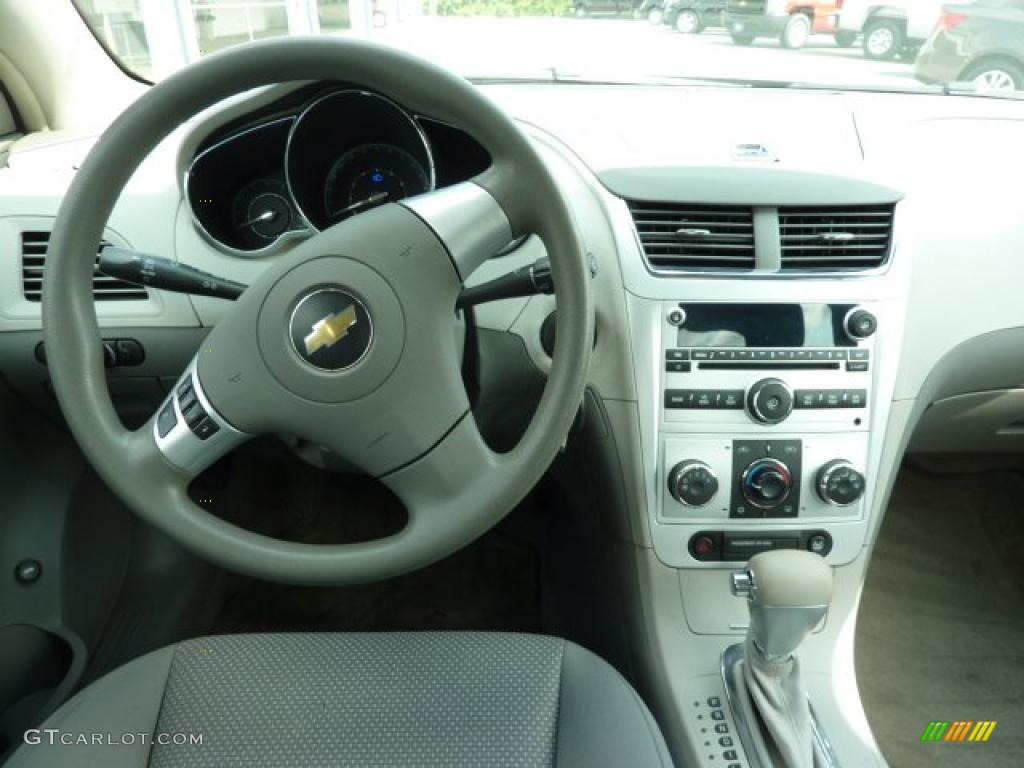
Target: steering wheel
[[346, 341]]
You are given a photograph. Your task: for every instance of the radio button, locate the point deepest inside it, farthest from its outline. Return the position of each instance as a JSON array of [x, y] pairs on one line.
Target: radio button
[[782, 354], [762, 354], [677, 354], [676, 367], [837, 354], [744, 354], [732, 398], [833, 398], [801, 354], [860, 324], [807, 398], [819, 354], [857, 367], [700, 354], [860, 354], [705, 400], [858, 398], [679, 398]]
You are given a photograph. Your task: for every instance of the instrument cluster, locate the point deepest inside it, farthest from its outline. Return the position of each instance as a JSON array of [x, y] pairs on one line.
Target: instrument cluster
[[297, 169]]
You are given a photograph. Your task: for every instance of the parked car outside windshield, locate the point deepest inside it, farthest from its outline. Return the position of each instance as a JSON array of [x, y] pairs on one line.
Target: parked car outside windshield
[[738, 42]]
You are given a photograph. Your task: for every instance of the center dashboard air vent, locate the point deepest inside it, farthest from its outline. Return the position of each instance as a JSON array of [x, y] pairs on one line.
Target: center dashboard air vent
[[685, 236], [33, 261], [852, 237]]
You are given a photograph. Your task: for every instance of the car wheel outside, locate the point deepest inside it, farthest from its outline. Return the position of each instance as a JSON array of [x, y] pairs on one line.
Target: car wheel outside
[[742, 39], [796, 32], [883, 39], [995, 75], [688, 22], [846, 39]]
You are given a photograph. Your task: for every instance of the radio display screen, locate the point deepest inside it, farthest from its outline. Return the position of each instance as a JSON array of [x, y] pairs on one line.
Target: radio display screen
[[764, 325]]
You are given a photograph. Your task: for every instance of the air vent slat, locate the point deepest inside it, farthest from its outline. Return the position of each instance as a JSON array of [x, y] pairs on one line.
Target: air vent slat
[[835, 238], [688, 236], [33, 263]]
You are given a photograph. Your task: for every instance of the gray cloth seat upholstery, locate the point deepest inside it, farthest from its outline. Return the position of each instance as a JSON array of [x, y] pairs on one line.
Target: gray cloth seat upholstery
[[390, 699]]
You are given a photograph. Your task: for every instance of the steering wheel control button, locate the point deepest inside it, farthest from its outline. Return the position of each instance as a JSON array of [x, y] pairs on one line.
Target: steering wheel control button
[[692, 483], [28, 572], [204, 428], [166, 419], [860, 324], [769, 401], [193, 414], [330, 329], [839, 484]]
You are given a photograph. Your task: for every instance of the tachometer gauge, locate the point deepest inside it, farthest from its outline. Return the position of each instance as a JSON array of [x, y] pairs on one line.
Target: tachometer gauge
[[371, 175], [262, 212]]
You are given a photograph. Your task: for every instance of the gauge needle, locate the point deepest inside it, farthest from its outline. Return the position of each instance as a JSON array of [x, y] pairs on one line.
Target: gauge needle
[[363, 203], [265, 216]]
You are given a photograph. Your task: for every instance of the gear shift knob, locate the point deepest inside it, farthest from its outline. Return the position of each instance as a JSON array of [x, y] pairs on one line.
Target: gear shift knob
[[788, 593]]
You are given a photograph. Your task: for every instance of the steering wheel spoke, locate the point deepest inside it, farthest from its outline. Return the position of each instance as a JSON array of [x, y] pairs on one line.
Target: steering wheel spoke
[[442, 488], [469, 222]]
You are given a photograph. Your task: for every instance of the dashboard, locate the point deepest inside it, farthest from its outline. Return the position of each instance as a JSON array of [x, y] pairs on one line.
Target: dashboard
[[790, 287], [314, 158]]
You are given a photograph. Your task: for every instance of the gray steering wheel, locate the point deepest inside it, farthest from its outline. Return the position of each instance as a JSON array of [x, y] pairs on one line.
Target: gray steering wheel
[[346, 341]]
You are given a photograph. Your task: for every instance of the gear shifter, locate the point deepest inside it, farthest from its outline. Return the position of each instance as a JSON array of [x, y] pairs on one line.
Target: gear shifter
[[788, 593]]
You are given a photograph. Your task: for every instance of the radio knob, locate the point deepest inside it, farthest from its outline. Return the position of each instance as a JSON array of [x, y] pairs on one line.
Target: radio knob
[[692, 483], [769, 401], [839, 484], [766, 483], [860, 324]]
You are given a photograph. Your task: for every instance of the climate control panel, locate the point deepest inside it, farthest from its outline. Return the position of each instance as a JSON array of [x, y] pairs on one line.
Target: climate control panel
[[709, 478]]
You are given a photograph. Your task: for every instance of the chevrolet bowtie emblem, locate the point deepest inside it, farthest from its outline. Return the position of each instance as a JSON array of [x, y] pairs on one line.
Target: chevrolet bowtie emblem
[[331, 330]]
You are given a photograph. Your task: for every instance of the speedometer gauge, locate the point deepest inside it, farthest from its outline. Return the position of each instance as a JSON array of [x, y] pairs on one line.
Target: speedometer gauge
[[371, 175]]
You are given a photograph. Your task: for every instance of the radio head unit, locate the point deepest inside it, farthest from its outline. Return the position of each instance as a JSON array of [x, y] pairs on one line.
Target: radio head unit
[[759, 326]]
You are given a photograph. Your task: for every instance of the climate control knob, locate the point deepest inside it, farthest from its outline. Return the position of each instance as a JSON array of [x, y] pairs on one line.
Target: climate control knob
[[766, 483], [769, 401], [692, 483], [839, 484]]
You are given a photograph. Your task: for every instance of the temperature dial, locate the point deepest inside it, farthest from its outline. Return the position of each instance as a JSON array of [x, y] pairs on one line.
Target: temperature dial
[[839, 484], [692, 483], [766, 483]]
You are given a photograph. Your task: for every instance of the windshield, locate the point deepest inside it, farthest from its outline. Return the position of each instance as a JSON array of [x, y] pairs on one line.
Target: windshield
[[914, 45]]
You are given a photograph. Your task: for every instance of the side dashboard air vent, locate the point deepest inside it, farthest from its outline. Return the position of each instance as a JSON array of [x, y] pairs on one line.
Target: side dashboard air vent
[[682, 236], [851, 237], [33, 260]]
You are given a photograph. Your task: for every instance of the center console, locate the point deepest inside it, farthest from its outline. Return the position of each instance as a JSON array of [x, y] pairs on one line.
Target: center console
[[765, 418]]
